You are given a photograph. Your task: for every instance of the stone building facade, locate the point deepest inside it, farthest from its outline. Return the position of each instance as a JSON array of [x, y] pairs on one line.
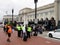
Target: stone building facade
[[47, 11], [9, 18]]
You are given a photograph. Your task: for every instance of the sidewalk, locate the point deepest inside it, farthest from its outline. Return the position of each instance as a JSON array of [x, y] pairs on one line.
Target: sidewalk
[[18, 41], [44, 35]]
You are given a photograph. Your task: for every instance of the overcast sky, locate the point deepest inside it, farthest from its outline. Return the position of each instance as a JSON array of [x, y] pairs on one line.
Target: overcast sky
[[7, 5]]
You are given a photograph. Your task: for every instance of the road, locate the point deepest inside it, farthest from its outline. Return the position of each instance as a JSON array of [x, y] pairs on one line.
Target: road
[[38, 40]]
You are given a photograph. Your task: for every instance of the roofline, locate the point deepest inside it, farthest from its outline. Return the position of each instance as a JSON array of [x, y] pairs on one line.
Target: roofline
[[41, 8], [46, 6], [26, 8]]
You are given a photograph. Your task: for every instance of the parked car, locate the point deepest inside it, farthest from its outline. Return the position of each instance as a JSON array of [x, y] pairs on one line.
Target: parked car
[[55, 33]]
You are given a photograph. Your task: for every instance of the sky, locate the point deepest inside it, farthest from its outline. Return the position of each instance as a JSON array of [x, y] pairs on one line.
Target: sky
[[7, 5]]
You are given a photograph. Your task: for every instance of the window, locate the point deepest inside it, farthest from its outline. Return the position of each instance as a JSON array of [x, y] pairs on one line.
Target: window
[[58, 30], [41, 13], [30, 16], [20, 18], [37, 15], [51, 12], [46, 13]]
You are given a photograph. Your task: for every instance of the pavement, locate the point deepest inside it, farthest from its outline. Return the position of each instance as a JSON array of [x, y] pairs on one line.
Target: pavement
[[44, 35], [34, 40], [1, 25]]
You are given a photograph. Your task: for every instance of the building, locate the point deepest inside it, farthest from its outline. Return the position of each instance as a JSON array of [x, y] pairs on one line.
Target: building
[[9, 18], [47, 11]]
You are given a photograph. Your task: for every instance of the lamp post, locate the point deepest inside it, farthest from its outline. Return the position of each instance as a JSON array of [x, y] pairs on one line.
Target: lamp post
[[35, 1], [12, 14]]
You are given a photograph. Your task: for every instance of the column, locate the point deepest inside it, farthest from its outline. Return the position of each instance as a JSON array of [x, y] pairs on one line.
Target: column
[[57, 10]]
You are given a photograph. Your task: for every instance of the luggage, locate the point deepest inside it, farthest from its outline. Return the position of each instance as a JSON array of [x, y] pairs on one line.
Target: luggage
[[24, 37]]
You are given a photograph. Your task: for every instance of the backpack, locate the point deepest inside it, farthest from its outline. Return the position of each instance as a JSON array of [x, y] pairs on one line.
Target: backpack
[[10, 30]]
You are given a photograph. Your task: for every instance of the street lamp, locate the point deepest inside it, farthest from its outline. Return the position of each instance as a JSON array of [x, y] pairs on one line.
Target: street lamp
[[35, 1], [12, 14]]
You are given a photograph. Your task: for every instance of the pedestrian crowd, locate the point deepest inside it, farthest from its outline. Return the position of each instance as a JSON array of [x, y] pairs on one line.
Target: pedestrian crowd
[[48, 25], [22, 31], [26, 31]]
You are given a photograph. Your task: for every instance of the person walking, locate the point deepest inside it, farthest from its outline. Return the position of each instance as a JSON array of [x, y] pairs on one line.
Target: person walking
[[53, 24], [46, 24], [5, 27], [40, 30], [24, 33], [22, 27], [9, 31], [19, 30], [28, 31]]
